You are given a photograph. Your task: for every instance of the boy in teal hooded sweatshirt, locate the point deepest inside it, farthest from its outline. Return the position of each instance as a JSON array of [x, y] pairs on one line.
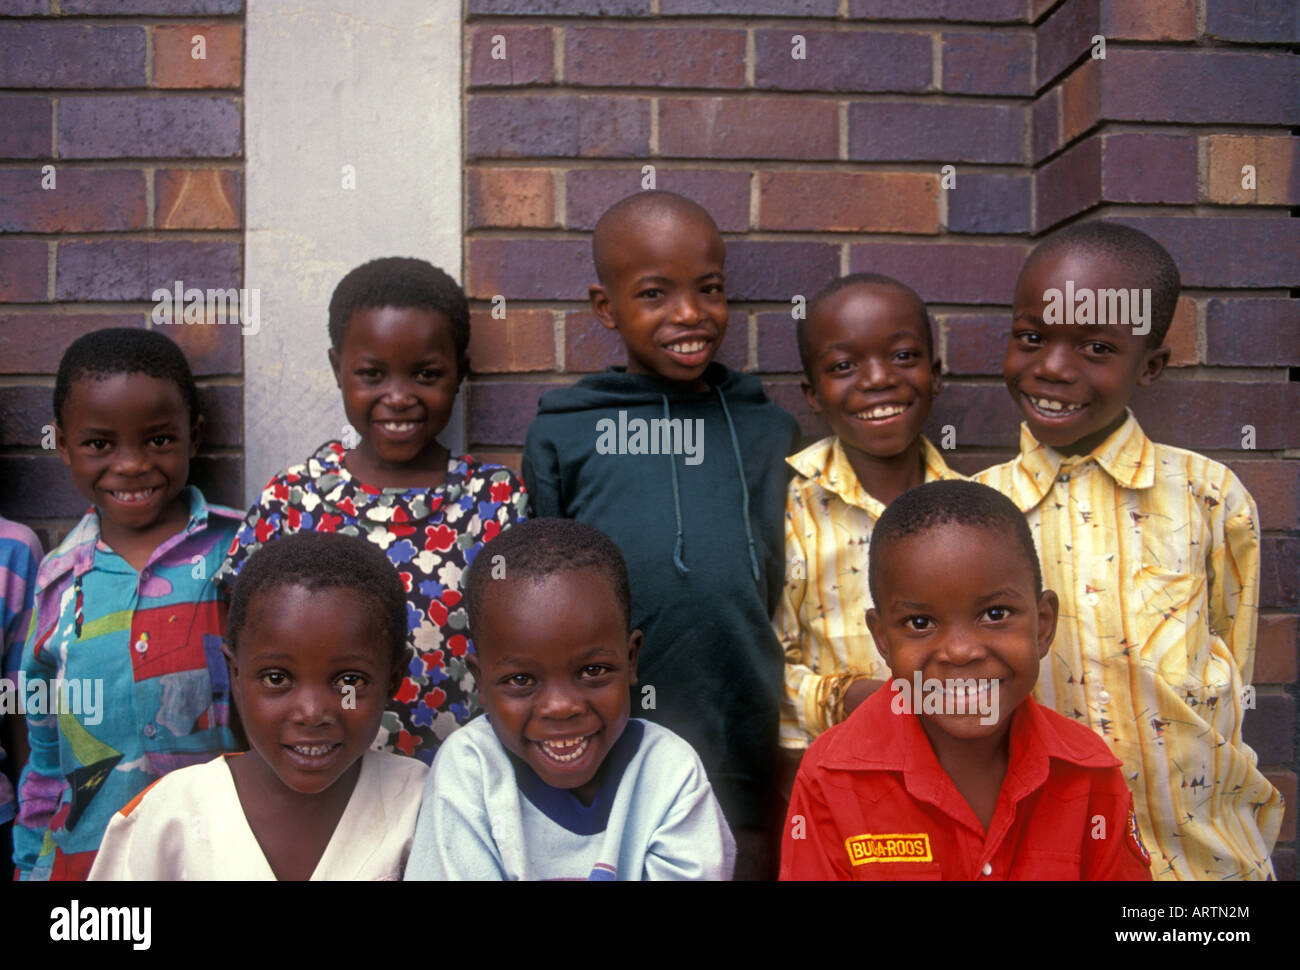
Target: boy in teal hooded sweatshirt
[[681, 461]]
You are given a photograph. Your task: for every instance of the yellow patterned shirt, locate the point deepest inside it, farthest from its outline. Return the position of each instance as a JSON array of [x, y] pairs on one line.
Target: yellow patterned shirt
[[821, 619], [1154, 552]]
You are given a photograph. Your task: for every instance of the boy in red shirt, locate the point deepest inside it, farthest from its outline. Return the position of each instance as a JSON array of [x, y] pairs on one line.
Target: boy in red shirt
[[953, 771]]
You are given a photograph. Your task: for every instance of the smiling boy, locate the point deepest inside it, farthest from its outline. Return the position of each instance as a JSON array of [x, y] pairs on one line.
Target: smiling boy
[[1153, 550], [973, 790], [556, 781], [870, 371], [699, 527]]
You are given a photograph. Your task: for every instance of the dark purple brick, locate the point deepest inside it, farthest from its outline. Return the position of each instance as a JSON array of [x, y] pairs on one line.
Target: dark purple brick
[[81, 201], [967, 11], [837, 60], [220, 478], [38, 487], [990, 203], [132, 270], [778, 348], [32, 343], [1046, 134], [499, 413], [752, 8], [779, 270], [565, 126], [223, 415], [975, 343], [184, 126], [589, 346], [987, 63], [1253, 251], [528, 58], [1270, 728], [1279, 571], [1255, 21], [24, 8], [789, 395], [28, 131], [1069, 183], [1064, 36], [589, 192], [749, 128], [209, 349], [945, 272], [1201, 86], [914, 131], [24, 270], [1149, 168], [1209, 415], [562, 8], [54, 55], [168, 8], [981, 415], [680, 57], [24, 412], [1253, 333], [529, 269]]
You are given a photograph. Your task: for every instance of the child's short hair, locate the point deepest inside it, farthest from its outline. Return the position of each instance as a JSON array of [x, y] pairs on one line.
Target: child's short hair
[[843, 283], [538, 548], [949, 502], [400, 281], [649, 204], [124, 350], [1132, 247], [318, 561]]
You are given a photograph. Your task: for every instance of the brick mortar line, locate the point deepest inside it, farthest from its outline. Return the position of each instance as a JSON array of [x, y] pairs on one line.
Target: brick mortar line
[[154, 94], [114, 164], [925, 96], [736, 22], [676, 163], [127, 235]]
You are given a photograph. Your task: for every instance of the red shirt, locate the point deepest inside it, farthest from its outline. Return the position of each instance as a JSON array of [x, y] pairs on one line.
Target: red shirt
[[871, 802]]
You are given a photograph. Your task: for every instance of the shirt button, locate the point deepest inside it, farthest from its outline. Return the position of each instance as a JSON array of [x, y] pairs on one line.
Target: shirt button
[[1092, 599], [150, 730], [142, 644], [988, 869], [1104, 697], [1083, 507]]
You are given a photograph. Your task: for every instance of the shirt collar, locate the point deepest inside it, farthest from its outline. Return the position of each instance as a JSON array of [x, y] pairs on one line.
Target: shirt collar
[[827, 464], [1127, 456]]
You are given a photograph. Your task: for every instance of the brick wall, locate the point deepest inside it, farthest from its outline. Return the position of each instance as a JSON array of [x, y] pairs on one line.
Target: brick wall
[[832, 163], [120, 171]]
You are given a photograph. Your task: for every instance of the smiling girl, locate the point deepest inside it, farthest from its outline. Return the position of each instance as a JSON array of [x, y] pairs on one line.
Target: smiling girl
[[399, 342]]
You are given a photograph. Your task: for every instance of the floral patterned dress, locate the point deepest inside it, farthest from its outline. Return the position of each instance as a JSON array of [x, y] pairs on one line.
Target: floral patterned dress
[[431, 536]]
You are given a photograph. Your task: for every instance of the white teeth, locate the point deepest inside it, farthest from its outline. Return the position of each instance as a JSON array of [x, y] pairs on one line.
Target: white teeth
[[567, 749], [882, 411], [136, 496], [688, 346], [313, 750], [1047, 404], [397, 427]]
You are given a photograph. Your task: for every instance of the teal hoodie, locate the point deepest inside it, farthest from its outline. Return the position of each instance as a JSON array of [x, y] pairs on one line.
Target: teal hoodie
[[696, 507]]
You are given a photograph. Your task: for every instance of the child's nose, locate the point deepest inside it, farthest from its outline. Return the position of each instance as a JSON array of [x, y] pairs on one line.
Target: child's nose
[[129, 460], [874, 373], [686, 309], [962, 646], [559, 701], [1056, 364], [315, 705]]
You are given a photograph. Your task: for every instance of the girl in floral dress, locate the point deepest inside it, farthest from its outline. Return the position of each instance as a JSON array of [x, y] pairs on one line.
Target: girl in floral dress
[[399, 336]]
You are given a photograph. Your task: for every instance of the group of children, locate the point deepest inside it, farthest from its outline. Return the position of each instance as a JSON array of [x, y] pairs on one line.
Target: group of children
[[608, 669]]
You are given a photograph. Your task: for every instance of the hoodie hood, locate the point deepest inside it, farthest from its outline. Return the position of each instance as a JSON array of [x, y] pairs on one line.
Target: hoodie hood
[[616, 388]]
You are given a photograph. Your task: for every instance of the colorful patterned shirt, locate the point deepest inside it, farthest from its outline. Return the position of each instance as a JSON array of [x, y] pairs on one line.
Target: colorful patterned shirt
[[1154, 553], [20, 555], [431, 536], [124, 680], [822, 616]]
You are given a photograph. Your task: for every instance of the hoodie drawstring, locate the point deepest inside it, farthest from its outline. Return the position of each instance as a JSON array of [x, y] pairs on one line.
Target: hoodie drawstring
[[677, 503], [744, 487]]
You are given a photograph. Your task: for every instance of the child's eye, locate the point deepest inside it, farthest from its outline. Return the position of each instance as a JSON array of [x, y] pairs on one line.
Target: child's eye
[[351, 680], [1029, 337], [712, 288], [96, 444], [650, 294], [998, 613], [367, 373], [274, 678], [1098, 348], [906, 355], [840, 367], [519, 680], [429, 374], [592, 671], [161, 440], [918, 623]]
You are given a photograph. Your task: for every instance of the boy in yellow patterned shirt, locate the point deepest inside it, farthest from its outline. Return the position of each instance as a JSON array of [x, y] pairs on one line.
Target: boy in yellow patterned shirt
[[870, 371], [1153, 550]]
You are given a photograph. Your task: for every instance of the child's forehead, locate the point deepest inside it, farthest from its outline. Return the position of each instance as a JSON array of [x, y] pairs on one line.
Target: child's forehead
[[1081, 263], [862, 306], [135, 387], [928, 543]]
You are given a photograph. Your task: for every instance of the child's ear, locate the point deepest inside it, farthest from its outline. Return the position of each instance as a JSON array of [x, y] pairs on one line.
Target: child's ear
[[810, 395], [1153, 365], [196, 435], [471, 661], [61, 444], [633, 651], [936, 377], [236, 688], [599, 298], [877, 628], [1049, 606], [334, 366]]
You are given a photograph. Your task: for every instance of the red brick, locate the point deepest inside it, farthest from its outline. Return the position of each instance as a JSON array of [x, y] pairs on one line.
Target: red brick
[[970, 11], [81, 200], [988, 63], [778, 270], [1285, 782], [1275, 486], [499, 413], [1068, 184], [174, 64], [32, 343], [511, 197], [1253, 332], [849, 201], [918, 131], [1201, 86], [210, 349], [1208, 415], [750, 128], [62, 55], [529, 269], [1148, 168], [24, 270], [1275, 649], [28, 131], [1181, 339], [1080, 100], [1270, 727], [1277, 176], [725, 194], [197, 198], [975, 343], [1047, 135], [945, 272], [563, 126], [1065, 36], [842, 60], [528, 58], [523, 341], [590, 347], [680, 57], [1254, 251], [778, 348], [1148, 19]]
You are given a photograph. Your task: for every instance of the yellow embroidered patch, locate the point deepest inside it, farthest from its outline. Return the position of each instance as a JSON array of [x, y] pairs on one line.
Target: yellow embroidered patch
[[911, 847]]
